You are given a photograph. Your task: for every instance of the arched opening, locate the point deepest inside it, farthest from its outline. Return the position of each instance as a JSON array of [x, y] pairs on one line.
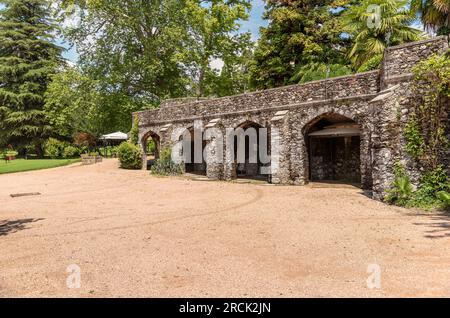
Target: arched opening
[[191, 163], [247, 153], [334, 149], [151, 147]]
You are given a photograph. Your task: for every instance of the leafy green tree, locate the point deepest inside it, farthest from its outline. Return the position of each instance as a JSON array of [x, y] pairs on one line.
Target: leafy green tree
[[28, 58], [73, 104], [376, 24], [213, 27], [435, 14], [130, 47], [304, 40]]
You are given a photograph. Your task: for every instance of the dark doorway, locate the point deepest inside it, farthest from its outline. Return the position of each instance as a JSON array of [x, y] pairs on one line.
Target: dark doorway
[[334, 150], [151, 144], [250, 168], [190, 165]]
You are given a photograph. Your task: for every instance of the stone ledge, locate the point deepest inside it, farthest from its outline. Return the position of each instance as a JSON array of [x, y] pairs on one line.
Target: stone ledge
[[259, 110]]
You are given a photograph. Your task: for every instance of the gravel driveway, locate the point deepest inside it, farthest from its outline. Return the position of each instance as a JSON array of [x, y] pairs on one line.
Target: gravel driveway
[[132, 234]]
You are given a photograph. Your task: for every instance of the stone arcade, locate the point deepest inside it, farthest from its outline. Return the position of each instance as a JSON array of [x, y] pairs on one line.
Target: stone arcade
[[343, 129]]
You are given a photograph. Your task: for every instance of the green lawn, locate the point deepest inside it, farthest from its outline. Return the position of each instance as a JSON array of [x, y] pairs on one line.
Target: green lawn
[[21, 165]]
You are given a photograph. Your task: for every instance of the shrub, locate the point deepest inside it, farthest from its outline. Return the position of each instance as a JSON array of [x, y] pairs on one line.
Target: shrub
[[414, 139], [372, 64], [54, 148], [134, 133], [445, 199], [165, 166], [86, 140], [71, 152], [130, 156], [401, 190]]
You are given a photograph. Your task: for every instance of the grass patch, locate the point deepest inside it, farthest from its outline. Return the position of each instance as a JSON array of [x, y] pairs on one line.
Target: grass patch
[[20, 165]]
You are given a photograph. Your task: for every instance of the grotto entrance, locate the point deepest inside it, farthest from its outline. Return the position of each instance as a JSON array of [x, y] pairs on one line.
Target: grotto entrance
[[192, 164], [333, 143], [249, 163], [151, 144]]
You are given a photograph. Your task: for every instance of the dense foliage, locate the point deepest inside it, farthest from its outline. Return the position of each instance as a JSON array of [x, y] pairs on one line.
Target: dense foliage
[[427, 130], [426, 135], [130, 156], [435, 14], [28, 58], [304, 38], [376, 24], [164, 166]]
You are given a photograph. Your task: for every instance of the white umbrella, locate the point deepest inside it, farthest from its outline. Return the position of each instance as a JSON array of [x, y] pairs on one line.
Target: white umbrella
[[115, 136]]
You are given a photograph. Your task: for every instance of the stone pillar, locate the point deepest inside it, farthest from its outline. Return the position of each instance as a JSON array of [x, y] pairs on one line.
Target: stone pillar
[[383, 152], [229, 162], [143, 146], [214, 137], [279, 146]]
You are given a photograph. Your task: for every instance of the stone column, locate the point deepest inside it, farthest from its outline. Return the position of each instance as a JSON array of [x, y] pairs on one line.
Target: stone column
[[229, 162], [279, 146], [383, 152], [214, 137]]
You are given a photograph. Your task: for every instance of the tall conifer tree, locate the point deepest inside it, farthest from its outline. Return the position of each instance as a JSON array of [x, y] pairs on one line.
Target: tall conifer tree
[[28, 57]]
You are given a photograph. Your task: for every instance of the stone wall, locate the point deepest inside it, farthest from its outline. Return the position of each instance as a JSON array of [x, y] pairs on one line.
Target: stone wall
[[399, 60], [369, 99]]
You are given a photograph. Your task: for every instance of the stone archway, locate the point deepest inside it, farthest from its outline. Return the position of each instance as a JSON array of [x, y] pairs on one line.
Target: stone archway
[[333, 143], [247, 153], [299, 154], [150, 150], [192, 163]]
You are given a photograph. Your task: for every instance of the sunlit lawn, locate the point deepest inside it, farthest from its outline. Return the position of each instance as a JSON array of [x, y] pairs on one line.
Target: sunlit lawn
[[20, 165]]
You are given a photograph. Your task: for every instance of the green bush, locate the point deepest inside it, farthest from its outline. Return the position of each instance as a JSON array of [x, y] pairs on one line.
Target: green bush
[[134, 133], [164, 166], [71, 152], [54, 148], [401, 190], [372, 64], [414, 140], [444, 197], [130, 156], [430, 193]]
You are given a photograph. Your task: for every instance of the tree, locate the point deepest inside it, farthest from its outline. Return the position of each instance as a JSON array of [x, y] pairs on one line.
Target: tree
[[303, 37], [73, 104], [212, 28], [145, 51], [435, 14], [130, 47], [28, 58], [376, 24]]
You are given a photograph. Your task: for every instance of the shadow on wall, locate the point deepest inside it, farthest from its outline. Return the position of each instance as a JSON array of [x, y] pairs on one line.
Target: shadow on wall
[[13, 226]]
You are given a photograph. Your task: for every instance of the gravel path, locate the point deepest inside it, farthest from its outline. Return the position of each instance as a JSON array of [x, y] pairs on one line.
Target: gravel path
[[132, 234]]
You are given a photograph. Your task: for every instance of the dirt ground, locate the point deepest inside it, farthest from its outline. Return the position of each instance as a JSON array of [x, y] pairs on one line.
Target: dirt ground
[[135, 235]]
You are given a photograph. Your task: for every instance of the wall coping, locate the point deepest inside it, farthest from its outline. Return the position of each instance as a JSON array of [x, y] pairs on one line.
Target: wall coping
[[330, 80], [273, 108], [409, 44]]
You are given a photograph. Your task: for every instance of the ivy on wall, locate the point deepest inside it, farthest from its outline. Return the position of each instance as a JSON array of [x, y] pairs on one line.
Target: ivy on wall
[[425, 132]]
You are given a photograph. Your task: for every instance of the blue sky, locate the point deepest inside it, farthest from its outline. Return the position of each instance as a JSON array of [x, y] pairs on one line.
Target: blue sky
[[252, 25]]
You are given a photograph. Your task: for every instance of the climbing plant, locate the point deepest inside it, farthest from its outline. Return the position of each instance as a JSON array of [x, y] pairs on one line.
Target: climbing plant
[[426, 131]]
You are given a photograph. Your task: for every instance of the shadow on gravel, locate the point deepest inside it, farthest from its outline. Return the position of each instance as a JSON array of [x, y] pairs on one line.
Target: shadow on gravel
[[13, 226], [439, 227]]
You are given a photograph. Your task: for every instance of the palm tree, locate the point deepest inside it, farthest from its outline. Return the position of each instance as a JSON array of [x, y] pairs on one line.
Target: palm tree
[[375, 25], [435, 14]]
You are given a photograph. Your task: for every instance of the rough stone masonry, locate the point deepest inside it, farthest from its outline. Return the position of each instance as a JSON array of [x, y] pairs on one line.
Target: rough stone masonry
[[375, 102]]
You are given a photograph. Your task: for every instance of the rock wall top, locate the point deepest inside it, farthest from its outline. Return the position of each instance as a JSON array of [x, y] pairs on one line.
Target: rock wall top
[[399, 60], [335, 88], [396, 67]]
